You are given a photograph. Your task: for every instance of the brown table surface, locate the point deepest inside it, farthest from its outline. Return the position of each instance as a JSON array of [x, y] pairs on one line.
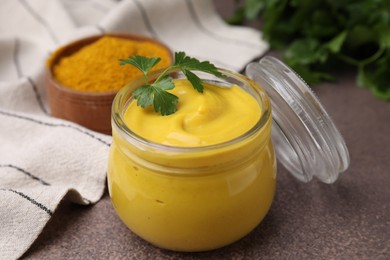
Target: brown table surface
[[347, 220]]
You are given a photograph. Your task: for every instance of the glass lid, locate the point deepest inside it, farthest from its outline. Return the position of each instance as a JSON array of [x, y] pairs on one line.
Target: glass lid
[[306, 140]]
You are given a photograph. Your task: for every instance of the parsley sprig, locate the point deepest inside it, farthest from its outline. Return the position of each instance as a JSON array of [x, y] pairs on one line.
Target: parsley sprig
[[318, 39], [155, 94]]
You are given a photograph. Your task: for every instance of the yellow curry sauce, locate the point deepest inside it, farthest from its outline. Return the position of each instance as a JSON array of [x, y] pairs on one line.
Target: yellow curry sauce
[[217, 115], [202, 199]]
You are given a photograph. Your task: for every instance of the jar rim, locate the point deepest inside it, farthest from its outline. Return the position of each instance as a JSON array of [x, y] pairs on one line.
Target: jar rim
[[124, 95]]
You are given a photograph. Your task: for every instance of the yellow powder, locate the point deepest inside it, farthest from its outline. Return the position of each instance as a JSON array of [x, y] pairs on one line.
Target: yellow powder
[[95, 68]]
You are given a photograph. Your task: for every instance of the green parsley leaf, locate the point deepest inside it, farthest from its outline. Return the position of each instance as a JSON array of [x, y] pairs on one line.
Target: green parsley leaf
[[337, 42], [195, 80], [187, 63], [144, 64], [144, 96], [320, 38], [252, 8], [164, 102], [165, 83], [156, 94]]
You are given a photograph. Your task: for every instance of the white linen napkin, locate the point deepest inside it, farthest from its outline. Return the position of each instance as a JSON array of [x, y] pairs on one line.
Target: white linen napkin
[[43, 159]]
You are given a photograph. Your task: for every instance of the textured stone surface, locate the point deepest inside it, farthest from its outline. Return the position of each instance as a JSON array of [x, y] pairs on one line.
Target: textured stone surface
[[347, 220]]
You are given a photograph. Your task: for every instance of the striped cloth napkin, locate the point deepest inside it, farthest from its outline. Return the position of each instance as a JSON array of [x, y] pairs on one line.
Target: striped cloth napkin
[[44, 160]]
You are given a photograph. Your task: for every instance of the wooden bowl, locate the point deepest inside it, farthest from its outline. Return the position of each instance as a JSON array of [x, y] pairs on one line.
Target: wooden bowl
[[89, 109]]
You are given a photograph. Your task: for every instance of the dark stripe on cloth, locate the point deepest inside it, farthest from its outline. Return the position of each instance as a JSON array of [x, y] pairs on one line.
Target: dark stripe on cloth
[[36, 203], [21, 74], [145, 18], [37, 95], [39, 19], [54, 125], [100, 28], [25, 172], [16, 57]]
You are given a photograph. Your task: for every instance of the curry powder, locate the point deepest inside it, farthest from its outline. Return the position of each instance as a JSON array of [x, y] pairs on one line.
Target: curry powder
[[95, 67]]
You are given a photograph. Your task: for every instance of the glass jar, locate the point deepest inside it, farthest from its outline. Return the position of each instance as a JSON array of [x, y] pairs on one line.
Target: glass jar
[[203, 198]]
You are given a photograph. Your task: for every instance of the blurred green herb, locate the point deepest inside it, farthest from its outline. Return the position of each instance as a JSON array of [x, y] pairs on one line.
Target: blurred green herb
[[318, 38], [155, 94]]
